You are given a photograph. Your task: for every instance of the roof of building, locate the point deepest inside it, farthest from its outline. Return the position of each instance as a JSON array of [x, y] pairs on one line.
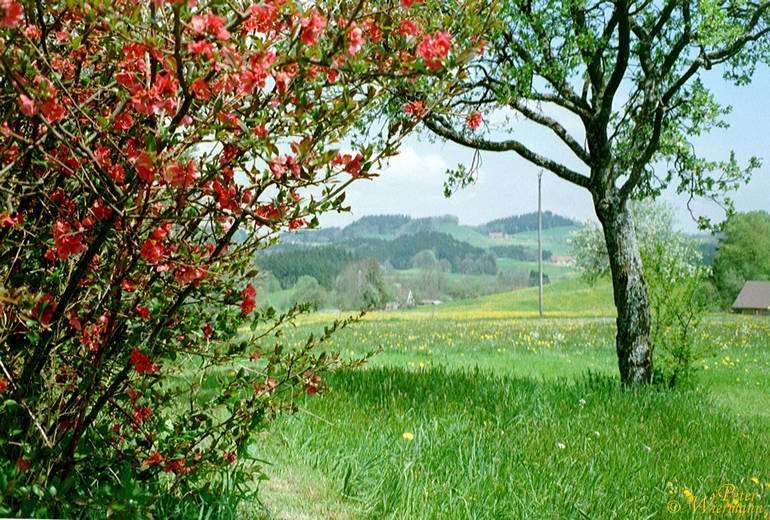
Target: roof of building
[[754, 295]]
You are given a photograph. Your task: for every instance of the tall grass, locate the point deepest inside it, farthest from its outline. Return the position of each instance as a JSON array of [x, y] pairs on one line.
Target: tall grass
[[468, 444]]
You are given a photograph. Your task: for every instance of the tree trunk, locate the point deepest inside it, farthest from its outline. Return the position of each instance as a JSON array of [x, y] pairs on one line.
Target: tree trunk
[[633, 341]]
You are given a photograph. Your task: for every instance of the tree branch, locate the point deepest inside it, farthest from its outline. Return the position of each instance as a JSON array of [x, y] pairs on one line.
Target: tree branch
[[443, 129], [555, 127]]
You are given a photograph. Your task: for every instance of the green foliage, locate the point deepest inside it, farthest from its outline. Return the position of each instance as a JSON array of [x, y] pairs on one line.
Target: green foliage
[[308, 290], [361, 285], [678, 301], [518, 252], [743, 253], [425, 259]]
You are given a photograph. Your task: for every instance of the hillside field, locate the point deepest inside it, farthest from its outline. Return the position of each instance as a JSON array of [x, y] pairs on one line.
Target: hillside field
[[554, 239], [479, 409]]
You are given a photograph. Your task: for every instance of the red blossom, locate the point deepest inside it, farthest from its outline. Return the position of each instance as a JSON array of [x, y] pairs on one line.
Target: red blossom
[[312, 383], [12, 13], [249, 295], [161, 231], [433, 48], [202, 47], [473, 120], [153, 251], [117, 174], [76, 324], [144, 312], [410, 3], [408, 28], [416, 108], [181, 176], [212, 24], [27, 105], [123, 121], [154, 458], [354, 166], [9, 221], [185, 275], [313, 28], [67, 242], [355, 39], [374, 31], [144, 167], [201, 89], [177, 466], [32, 32], [3, 385], [141, 413], [142, 363], [100, 210], [260, 131], [22, 463], [331, 74], [48, 306]]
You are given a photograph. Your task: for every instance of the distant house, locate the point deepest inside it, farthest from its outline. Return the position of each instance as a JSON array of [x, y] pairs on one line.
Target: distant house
[[404, 297], [497, 235], [754, 298], [562, 260]]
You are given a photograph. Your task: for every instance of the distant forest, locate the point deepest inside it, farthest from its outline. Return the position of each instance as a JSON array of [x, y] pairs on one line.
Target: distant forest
[[526, 222], [463, 257], [517, 252], [325, 263]]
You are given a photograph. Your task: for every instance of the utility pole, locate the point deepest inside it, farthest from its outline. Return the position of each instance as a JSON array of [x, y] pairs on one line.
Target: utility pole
[[540, 237]]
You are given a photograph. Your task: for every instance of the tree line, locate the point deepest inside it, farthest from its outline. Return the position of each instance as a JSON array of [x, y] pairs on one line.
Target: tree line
[[526, 222]]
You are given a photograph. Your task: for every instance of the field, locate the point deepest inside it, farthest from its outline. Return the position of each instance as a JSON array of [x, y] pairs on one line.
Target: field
[[479, 409]]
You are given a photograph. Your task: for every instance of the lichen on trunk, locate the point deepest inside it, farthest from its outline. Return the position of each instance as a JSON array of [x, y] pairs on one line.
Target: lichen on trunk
[[634, 338]]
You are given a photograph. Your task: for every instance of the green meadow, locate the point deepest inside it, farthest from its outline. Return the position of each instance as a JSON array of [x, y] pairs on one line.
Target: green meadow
[[480, 409]]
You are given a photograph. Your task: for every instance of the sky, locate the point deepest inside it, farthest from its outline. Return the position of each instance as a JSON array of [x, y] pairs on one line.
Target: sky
[[412, 182]]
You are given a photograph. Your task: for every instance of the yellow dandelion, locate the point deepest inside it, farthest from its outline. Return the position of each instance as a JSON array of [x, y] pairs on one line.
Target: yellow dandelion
[[408, 436], [755, 480]]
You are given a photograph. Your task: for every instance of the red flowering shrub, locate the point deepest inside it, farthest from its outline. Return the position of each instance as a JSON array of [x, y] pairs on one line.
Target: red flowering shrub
[[148, 149]]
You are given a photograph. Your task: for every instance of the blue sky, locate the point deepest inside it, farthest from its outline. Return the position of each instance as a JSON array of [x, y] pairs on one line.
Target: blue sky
[[507, 185]]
